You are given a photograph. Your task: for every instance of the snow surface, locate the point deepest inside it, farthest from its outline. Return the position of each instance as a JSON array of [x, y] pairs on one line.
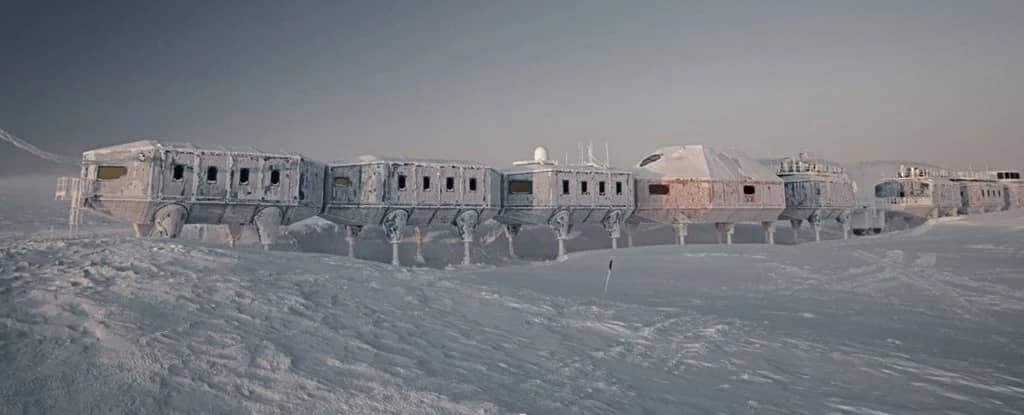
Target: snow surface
[[923, 321]]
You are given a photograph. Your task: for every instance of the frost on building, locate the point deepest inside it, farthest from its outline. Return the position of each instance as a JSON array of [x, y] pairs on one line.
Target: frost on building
[[1013, 188], [159, 187], [679, 185], [816, 191], [918, 193], [398, 193], [866, 218], [543, 192], [979, 193]]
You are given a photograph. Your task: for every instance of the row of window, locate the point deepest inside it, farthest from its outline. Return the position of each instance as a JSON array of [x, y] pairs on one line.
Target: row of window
[[663, 189], [449, 183], [1008, 175], [526, 187], [178, 174]]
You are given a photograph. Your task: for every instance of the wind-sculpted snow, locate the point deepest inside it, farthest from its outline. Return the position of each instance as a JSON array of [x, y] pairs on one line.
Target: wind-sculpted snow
[[923, 321]]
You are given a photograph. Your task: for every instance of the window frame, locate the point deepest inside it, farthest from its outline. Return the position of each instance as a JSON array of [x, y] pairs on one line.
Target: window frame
[[652, 186]]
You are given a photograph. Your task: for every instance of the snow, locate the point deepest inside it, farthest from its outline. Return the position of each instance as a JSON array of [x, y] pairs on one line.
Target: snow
[[919, 321], [703, 162]]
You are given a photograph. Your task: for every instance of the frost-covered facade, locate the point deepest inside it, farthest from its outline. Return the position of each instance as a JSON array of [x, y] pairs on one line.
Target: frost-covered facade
[[979, 193], [397, 193], [159, 187], [918, 192], [1013, 188], [543, 192], [679, 185], [816, 191]]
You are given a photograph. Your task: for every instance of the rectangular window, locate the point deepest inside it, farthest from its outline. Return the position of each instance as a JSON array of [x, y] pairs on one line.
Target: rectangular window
[[517, 187], [600, 188], [111, 172], [1000, 176], [472, 184], [341, 182], [449, 184], [749, 190], [426, 182], [243, 176], [618, 188], [565, 187], [583, 188], [657, 189], [275, 176], [211, 174], [401, 182], [179, 172]]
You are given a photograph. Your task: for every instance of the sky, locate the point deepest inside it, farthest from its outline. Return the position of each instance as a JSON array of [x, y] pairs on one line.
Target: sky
[[931, 80]]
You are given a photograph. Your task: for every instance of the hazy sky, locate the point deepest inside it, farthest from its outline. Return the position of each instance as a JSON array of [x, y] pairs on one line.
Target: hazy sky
[[939, 81]]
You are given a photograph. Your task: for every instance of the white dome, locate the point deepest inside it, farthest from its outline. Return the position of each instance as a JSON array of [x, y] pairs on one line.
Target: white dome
[[540, 154]]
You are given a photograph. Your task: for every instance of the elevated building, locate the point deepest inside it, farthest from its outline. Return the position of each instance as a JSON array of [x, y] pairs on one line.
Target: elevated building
[[816, 191]]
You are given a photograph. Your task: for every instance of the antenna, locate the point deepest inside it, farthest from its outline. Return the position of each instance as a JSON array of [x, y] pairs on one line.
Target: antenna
[[607, 155]]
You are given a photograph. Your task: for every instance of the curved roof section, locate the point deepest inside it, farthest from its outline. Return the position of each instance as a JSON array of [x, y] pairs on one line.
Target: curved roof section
[[702, 162], [185, 147]]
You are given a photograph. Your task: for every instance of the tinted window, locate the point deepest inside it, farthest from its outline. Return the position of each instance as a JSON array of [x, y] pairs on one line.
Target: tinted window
[[583, 188], [565, 187], [449, 184], [426, 182], [401, 182], [600, 188], [749, 190], [179, 172], [111, 172], [618, 188], [243, 176], [211, 174], [657, 189], [341, 182], [275, 176], [472, 184], [520, 187]]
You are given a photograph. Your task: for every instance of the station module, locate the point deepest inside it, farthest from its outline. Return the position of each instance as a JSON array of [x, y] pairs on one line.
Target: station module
[[980, 192], [816, 191], [679, 185], [543, 192], [159, 187], [919, 193], [1013, 188], [397, 193]]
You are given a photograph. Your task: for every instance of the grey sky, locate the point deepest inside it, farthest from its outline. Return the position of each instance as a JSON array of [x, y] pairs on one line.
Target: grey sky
[[938, 81]]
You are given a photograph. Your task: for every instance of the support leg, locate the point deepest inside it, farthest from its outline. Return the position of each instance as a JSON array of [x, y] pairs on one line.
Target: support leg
[[234, 234], [680, 229], [142, 230], [769, 232], [466, 225], [268, 225], [613, 224], [561, 224], [351, 237], [725, 229], [169, 220], [511, 230], [393, 225], [844, 220], [419, 233], [631, 228], [795, 224]]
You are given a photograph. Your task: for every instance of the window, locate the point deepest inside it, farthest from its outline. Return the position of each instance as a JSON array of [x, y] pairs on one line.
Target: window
[[583, 188], [650, 159], [1000, 175], [565, 187], [111, 172], [516, 187], [749, 190], [243, 176], [211, 174], [449, 184], [275, 176], [426, 182], [600, 188], [618, 188], [179, 172], [657, 189], [342, 182], [401, 182], [472, 184]]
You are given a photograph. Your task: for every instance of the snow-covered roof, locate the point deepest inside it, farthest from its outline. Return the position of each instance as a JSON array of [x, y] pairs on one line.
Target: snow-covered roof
[[702, 162], [373, 159], [546, 167], [150, 144]]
